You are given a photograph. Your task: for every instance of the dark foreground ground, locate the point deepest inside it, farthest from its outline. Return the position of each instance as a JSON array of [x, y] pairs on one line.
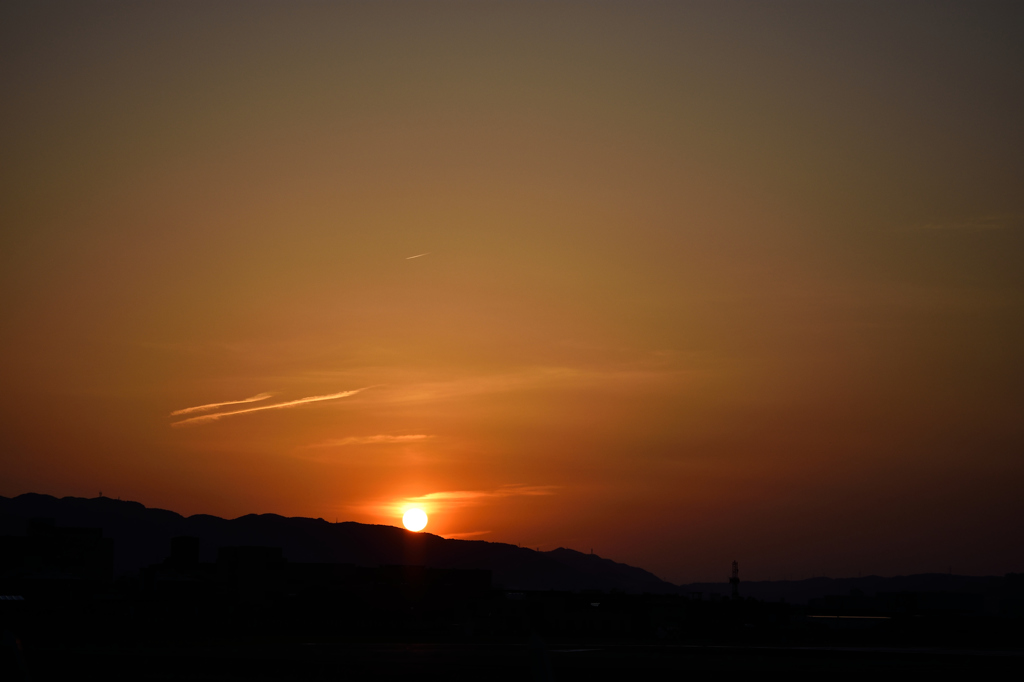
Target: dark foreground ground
[[254, 615], [529, 660], [404, 630]]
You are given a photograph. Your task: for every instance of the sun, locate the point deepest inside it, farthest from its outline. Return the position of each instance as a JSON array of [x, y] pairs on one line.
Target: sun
[[415, 519]]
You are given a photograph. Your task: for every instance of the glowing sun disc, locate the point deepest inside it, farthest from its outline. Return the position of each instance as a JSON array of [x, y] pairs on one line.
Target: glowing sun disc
[[415, 519]]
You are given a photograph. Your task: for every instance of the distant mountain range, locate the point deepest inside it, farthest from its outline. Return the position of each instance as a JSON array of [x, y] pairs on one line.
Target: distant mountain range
[[142, 537]]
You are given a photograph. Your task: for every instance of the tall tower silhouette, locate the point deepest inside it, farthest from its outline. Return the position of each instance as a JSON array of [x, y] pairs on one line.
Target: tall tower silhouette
[[735, 580]]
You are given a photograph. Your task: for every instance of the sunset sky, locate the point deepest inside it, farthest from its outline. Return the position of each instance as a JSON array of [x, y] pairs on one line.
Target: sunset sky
[[693, 282]]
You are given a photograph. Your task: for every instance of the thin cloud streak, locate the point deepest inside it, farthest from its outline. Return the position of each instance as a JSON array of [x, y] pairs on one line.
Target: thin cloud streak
[[527, 379], [419, 255], [463, 536], [450, 499], [464, 496], [213, 406], [275, 406], [370, 440], [461, 498]]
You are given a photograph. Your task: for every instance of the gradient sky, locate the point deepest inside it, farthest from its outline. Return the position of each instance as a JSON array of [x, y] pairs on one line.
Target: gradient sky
[[703, 281]]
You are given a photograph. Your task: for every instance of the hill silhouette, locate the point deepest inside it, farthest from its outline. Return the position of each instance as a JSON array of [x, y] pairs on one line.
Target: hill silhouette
[[142, 537]]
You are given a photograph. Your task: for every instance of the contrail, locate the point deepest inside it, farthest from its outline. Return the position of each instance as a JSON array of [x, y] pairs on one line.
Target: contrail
[[213, 406], [419, 255], [275, 406]]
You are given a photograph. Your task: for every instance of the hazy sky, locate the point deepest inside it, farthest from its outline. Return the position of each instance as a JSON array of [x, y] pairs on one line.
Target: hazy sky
[[695, 281]]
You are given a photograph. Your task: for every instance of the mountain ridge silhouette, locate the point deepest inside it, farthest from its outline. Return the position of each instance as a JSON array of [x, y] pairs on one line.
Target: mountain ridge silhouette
[[142, 537]]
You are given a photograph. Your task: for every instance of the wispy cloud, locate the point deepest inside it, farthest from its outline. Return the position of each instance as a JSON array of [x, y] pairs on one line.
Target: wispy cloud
[[418, 255], [450, 499], [526, 379], [447, 500], [463, 536], [404, 386], [457, 497], [370, 440], [214, 406], [275, 406]]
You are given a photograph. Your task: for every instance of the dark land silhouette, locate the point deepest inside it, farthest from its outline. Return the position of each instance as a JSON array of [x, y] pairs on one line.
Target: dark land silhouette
[[111, 589], [142, 537]]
